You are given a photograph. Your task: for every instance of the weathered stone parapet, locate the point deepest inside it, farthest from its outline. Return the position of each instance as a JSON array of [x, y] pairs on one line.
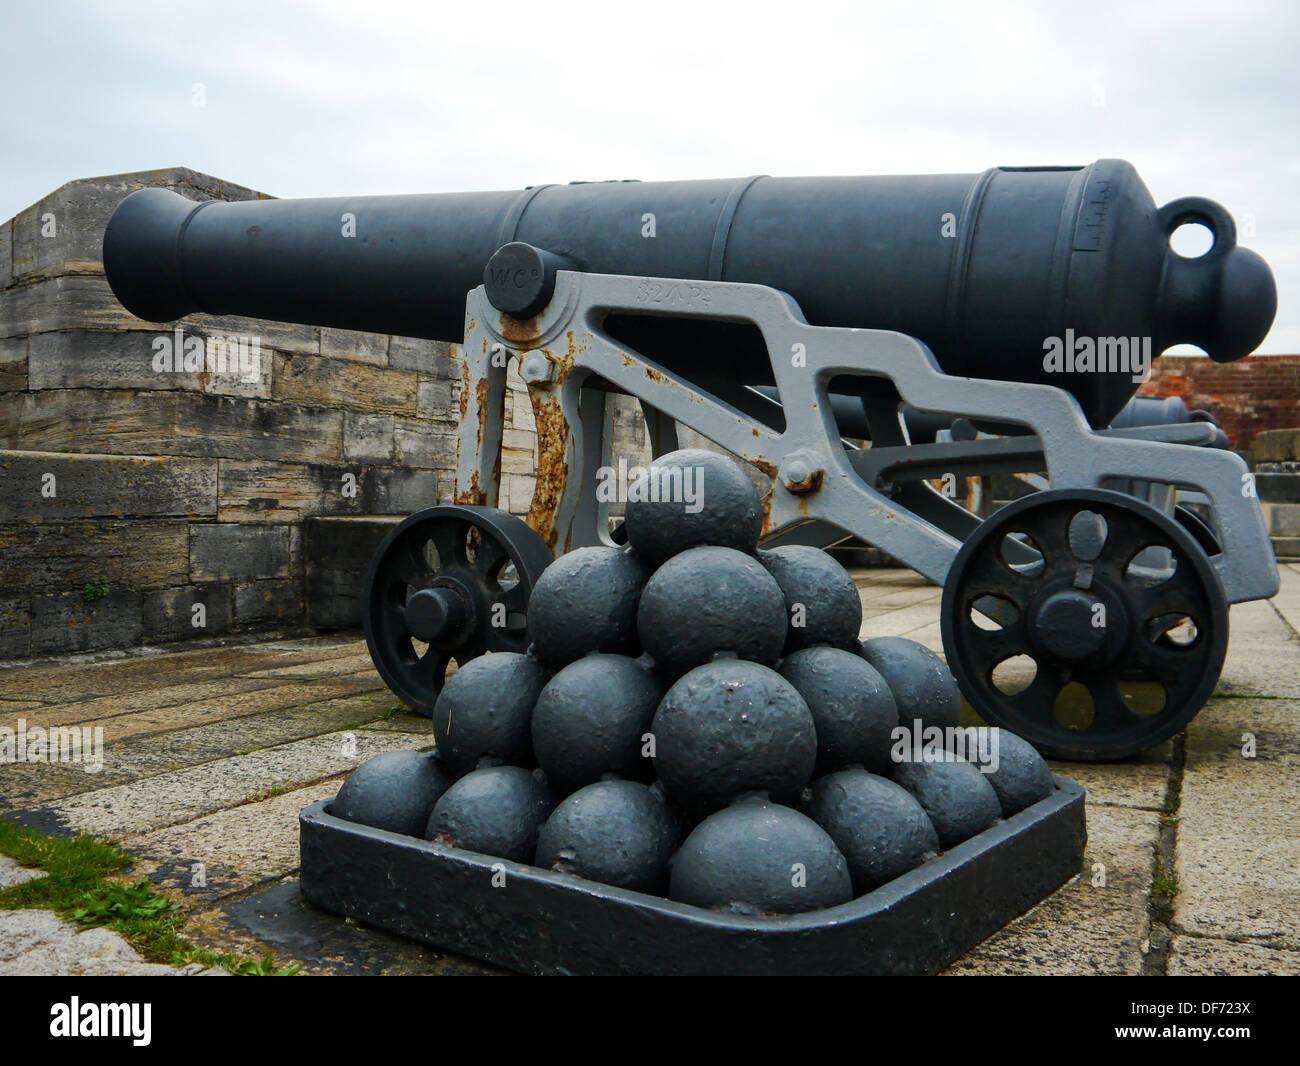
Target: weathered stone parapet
[[179, 461]]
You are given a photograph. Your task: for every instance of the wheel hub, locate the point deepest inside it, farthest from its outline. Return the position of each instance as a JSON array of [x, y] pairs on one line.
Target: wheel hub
[[438, 616], [1077, 627]]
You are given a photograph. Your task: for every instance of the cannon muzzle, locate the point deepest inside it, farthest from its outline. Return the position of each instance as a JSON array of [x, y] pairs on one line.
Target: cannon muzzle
[[994, 272]]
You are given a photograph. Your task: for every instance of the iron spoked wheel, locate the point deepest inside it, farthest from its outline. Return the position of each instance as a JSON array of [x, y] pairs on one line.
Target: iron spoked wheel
[[1085, 621], [448, 582]]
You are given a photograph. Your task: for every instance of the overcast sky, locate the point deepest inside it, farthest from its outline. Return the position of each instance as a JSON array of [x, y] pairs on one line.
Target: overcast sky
[[313, 99]]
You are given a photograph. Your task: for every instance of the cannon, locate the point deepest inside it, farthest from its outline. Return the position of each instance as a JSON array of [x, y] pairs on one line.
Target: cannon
[[1024, 302]]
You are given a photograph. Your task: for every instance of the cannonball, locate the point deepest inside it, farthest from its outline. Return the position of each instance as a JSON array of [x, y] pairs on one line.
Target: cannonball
[[689, 498], [586, 601], [1022, 777], [759, 857], [495, 811], [821, 600], [394, 791], [731, 727], [957, 797], [592, 718], [710, 600], [852, 707], [484, 712], [922, 685], [616, 832], [879, 827]]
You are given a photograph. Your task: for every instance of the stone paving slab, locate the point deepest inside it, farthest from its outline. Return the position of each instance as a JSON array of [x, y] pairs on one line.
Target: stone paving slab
[[1287, 600], [1238, 857], [900, 596], [1227, 726], [13, 708], [1083, 928], [12, 874], [36, 943], [930, 636], [1263, 656], [223, 707], [238, 848], [407, 722], [158, 751], [126, 811], [1141, 783], [28, 785], [900, 623], [104, 709], [344, 664], [119, 675], [220, 740], [1208, 957]]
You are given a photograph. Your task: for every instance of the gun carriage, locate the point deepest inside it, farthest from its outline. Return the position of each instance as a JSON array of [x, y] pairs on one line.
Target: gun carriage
[[961, 324]]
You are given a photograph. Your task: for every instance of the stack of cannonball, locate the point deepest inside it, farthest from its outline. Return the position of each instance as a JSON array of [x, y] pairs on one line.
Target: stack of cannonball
[[697, 718]]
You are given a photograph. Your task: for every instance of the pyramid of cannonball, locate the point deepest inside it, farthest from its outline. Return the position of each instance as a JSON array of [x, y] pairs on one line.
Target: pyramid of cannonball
[[696, 717]]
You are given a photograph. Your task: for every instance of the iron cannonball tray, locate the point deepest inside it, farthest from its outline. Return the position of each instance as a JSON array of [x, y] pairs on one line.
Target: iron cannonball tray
[[540, 922]]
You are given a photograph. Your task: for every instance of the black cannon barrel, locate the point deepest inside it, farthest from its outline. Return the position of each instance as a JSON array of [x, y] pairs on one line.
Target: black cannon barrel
[[986, 269]]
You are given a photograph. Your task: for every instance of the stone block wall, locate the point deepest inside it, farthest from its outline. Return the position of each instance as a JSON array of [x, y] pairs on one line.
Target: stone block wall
[[131, 496]]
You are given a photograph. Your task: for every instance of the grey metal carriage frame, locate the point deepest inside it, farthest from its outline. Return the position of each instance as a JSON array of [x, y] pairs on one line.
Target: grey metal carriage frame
[[822, 490]]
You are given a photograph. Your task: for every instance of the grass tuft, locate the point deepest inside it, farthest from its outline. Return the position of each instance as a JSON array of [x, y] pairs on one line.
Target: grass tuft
[[81, 885]]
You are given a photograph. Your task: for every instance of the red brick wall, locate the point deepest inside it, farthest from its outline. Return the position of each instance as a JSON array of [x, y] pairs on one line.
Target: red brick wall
[[1247, 397]]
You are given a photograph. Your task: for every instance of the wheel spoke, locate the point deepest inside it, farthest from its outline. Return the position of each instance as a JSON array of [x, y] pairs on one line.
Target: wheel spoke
[[1110, 712], [490, 557], [1168, 597], [992, 646], [395, 616], [432, 666], [514, 598], [987, 575], [407, 563], [1038, 699], [1124, 532], [506, 640], [430, 674], [448, 537], [1171, 666], [503, 638]]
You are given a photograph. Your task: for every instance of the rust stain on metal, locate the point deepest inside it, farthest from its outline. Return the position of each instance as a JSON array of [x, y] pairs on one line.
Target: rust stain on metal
[[552, 467], [579, 344], [474, 496], [517, 330], [812, 483], [655, 376], [769, 469], [766, 503]]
